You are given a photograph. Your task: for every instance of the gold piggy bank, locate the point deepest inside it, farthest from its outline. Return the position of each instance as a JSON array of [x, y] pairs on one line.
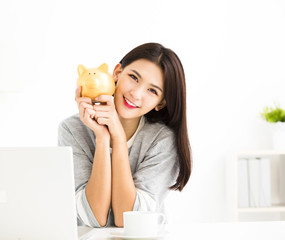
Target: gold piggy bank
[[95, 81]]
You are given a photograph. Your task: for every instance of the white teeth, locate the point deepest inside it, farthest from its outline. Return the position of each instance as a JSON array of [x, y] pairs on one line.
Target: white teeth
[[130, 103]]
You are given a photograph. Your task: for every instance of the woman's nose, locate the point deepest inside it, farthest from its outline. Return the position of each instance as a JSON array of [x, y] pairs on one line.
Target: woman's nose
[[137, 93]]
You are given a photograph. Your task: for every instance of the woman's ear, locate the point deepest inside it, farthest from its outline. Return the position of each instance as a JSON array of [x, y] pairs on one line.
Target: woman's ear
[[161, 105], [117, 71]]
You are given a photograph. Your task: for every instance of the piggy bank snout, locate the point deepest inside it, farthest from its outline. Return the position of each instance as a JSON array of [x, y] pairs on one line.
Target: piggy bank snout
[[92, 83]]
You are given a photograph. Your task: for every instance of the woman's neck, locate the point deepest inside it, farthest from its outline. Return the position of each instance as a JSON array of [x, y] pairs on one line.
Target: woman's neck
[[130, 126]]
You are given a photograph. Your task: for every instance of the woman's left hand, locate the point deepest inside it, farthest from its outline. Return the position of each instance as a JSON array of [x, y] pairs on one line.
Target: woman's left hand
[[106, 114]]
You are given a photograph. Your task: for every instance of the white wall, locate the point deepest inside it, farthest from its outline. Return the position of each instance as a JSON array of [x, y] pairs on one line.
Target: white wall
[[233, 54]]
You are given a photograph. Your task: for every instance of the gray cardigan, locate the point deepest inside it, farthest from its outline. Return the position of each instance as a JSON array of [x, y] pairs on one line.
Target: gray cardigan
[[153, 161]]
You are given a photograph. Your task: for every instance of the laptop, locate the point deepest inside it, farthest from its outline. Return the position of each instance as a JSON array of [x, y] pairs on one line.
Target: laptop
[[37, 198]]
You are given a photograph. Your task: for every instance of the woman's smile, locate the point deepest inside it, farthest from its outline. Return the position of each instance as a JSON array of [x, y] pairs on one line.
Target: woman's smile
[[129, 104]]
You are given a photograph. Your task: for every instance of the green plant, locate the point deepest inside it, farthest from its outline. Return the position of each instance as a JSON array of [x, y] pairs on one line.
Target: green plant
[[273, 114]]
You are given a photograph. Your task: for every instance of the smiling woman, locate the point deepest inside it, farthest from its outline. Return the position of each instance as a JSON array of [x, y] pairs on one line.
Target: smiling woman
[[130, 152]]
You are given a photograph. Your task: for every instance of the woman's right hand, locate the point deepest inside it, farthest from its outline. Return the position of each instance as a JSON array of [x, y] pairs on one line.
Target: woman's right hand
[[87, 113]]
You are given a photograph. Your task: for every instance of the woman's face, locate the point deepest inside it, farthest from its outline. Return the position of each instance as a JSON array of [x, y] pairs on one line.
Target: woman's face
[[139, 89]]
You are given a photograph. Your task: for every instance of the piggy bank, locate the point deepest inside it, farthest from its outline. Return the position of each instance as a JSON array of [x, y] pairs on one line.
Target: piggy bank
[[95, 81]]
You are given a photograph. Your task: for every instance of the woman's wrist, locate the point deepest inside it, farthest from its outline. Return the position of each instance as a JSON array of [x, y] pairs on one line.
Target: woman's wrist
[[102, 140], [120, 136], [117, 141]]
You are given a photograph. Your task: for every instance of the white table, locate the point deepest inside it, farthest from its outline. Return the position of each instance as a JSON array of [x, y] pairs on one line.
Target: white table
[[203, 231]]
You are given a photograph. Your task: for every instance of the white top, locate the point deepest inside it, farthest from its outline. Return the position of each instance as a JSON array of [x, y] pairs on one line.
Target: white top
[[132, 139]]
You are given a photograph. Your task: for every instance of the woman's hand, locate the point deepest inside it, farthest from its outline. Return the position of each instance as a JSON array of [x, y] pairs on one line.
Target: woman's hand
[[87, 113], [106, 114]]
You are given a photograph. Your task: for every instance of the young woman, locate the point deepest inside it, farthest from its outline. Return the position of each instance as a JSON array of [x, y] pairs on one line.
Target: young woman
[[131, 151]]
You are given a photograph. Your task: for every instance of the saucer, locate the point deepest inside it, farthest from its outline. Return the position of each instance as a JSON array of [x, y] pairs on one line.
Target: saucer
[[123, 236]]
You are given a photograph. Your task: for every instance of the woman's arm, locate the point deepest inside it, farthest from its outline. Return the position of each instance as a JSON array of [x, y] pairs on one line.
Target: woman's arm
[[98, 187], [123, 187]]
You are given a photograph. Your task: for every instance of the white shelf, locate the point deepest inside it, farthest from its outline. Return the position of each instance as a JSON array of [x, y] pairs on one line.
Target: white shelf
[[277, 209], [260, 153]]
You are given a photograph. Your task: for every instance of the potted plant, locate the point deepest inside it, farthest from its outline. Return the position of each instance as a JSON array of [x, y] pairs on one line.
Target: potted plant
[[276, 115]]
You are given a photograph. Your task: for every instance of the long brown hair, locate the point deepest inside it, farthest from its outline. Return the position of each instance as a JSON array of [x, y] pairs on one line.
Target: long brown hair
[[174, 114]]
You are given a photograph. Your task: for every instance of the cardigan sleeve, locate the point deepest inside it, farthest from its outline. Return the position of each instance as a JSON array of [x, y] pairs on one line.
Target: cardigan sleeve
[[83, 161], [156, 173]]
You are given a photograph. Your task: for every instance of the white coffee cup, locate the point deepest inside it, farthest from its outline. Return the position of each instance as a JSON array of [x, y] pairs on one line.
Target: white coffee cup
[[142, 223]]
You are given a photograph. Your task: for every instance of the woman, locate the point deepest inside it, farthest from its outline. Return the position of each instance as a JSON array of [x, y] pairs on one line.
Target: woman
[[131, 151]]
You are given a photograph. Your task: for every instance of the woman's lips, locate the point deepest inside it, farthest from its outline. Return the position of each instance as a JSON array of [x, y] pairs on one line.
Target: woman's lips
[[129, 104]]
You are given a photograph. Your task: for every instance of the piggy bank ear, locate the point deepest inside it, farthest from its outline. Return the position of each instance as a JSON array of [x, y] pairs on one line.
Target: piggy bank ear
[[104, 67], [81, 69]]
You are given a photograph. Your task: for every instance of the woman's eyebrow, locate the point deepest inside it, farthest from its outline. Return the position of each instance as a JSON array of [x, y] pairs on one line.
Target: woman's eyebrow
[[155, 86], [136, 73]]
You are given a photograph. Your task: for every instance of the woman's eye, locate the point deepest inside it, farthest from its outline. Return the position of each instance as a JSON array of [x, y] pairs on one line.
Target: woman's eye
[[133, 77], [153, 91]]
